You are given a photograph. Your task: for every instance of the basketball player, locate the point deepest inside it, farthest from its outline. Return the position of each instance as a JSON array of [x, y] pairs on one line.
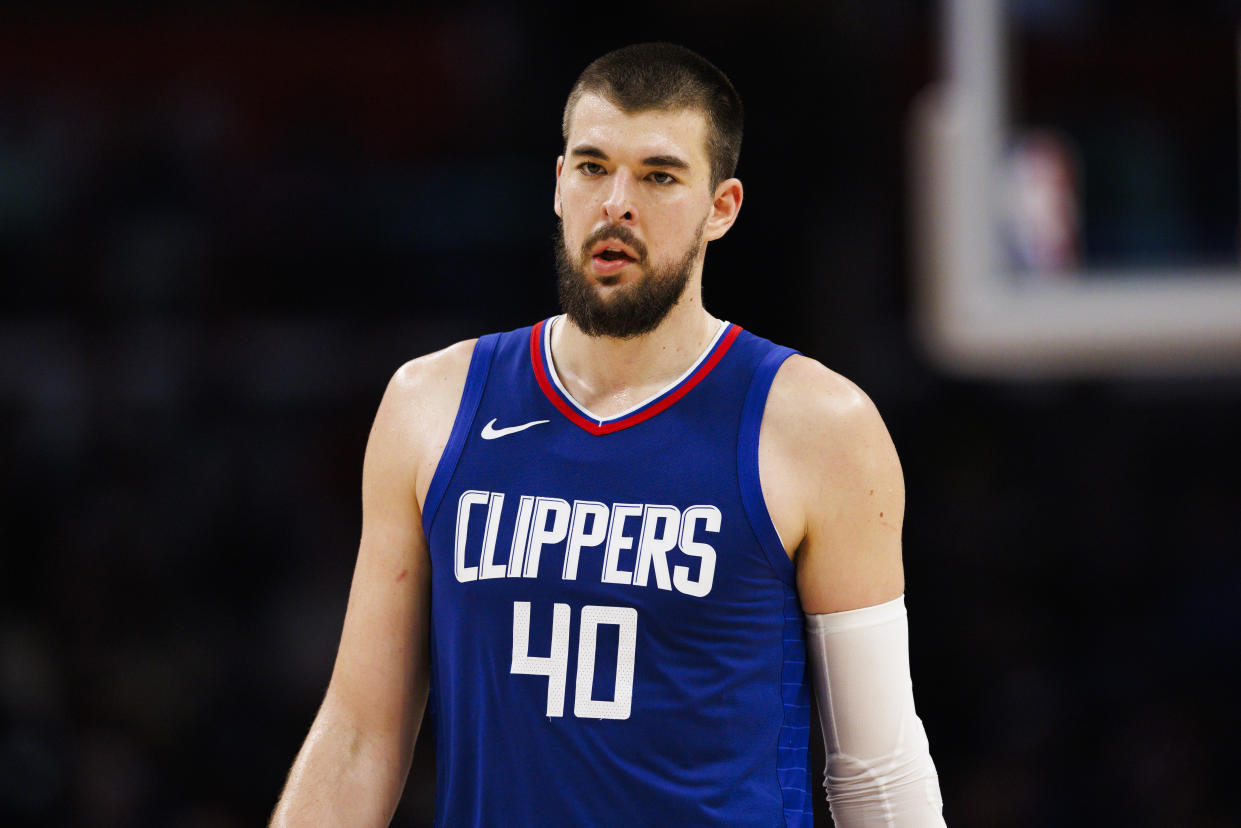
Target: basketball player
[[611, 544]]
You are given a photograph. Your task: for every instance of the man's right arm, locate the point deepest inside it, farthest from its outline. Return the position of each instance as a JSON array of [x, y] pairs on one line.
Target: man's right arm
[[352, 767]]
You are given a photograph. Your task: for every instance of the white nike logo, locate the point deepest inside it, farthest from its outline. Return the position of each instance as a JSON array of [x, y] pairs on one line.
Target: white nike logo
[[489, 433]]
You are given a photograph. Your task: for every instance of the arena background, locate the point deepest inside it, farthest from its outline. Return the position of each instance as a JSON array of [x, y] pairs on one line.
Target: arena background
[[223, 226]]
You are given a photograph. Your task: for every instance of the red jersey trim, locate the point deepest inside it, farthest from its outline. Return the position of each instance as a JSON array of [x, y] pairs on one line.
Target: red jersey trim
[[566, 408]]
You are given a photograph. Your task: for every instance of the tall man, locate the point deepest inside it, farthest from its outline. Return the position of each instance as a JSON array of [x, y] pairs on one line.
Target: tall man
[[610, 545]]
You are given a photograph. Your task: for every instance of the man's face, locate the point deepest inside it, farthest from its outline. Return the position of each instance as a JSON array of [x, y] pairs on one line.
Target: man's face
[[634, 197]]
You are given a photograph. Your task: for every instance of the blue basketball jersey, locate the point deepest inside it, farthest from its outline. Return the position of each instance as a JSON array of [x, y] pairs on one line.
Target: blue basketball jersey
[[616, 637]]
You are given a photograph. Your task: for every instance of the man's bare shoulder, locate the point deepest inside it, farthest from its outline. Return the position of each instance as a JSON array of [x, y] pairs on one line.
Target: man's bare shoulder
[[813, 406], [433, 381], [416, 415], [823, 439]]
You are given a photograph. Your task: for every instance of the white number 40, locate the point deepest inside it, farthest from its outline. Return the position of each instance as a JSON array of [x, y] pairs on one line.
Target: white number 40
[[556, 665]]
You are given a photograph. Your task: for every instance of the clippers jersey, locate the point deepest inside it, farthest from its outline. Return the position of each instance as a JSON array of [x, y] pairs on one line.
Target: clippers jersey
[[616, 637]]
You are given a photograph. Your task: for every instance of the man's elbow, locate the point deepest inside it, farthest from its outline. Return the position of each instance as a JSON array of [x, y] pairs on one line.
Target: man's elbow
[[898, 790]]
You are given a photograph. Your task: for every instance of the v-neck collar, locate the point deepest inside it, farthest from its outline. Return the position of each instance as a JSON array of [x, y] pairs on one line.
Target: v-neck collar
[[549, 381]]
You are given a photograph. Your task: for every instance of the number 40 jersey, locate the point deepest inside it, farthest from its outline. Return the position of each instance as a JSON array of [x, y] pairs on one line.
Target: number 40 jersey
[[615, 632]]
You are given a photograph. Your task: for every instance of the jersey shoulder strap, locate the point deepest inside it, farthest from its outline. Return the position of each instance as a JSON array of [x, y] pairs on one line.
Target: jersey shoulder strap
[[475, 382]]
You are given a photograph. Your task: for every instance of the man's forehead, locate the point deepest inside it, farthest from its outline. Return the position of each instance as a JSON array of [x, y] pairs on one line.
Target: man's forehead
[[681, 130]]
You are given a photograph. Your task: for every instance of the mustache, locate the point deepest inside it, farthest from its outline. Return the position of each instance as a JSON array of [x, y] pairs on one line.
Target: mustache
[[618, 233]]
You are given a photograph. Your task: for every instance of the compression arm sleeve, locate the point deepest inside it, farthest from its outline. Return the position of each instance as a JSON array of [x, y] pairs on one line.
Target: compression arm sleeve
[[879, 768]]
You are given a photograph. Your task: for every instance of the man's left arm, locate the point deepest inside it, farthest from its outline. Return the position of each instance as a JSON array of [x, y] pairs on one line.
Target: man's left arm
[[833, 484]]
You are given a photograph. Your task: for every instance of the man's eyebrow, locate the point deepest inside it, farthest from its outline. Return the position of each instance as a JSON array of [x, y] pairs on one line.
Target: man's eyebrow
[[670, 161], [665, 161], [589, 152]]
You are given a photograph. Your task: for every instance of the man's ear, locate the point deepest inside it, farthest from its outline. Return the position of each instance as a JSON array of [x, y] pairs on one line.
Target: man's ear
[[556, 198], [724, 208]]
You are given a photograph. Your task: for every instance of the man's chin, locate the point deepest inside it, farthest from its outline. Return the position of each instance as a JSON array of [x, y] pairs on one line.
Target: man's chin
[[619, 305]]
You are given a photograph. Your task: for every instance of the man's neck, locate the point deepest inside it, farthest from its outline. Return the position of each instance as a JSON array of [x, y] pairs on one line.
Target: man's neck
[[607, 375]]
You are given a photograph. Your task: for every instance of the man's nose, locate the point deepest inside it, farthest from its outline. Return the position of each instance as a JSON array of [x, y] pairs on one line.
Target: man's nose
[[619, 206]]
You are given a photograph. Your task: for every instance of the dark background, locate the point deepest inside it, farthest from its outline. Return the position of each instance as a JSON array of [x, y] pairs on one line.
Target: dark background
[[223, 226]]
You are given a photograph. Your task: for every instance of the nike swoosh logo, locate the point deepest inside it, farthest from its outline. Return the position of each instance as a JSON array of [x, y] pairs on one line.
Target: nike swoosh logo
[[489, 433]]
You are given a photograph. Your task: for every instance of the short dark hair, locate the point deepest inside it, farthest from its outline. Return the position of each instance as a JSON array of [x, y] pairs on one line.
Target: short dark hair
[[663, 76]]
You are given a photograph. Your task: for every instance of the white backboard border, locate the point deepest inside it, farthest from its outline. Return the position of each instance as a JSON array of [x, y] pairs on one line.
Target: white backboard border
[[977, 317]]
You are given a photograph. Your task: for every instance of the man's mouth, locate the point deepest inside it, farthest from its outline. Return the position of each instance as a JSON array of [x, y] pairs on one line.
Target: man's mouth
[[611, 250], [606, 262]]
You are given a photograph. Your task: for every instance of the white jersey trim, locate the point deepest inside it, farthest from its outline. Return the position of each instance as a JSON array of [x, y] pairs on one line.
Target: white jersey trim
[[555, 375]]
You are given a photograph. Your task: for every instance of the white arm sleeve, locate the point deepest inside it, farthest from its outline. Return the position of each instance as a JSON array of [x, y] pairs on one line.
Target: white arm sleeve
[[879, 768]]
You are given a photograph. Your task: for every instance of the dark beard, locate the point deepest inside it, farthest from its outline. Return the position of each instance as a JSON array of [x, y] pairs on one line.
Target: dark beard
[[631, 312]]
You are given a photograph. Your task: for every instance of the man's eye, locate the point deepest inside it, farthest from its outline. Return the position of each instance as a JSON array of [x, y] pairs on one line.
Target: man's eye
[[590, 168], [661, 177]]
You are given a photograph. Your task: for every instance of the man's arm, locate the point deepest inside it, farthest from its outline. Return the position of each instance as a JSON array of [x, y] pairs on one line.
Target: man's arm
[[834, 487], [833, 484], [352, 767]]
